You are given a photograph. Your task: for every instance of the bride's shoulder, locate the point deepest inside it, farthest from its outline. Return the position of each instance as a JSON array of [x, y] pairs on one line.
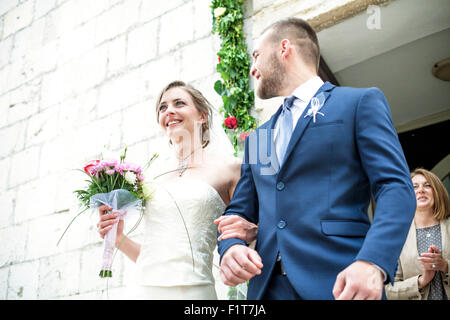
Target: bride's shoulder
[[224, 162]]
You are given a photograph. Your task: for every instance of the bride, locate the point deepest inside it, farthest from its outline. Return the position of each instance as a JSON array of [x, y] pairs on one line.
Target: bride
[[174, 260]]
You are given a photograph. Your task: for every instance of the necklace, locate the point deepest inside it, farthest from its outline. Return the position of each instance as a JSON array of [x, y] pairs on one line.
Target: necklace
[[184, 165]]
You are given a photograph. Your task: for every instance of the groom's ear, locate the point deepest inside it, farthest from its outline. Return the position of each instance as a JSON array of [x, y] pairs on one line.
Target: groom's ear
[[286, 48]]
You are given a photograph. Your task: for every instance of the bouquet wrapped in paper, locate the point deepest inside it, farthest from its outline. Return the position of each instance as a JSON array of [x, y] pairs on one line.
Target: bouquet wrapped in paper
[[123, 202], [119, 185]]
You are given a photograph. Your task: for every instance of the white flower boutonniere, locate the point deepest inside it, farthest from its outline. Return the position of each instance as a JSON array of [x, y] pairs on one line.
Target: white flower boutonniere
[[316, 104]]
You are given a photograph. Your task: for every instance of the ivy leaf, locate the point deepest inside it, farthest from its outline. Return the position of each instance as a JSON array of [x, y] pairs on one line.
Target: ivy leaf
[[225, 76], [219, 87], [226, 103]]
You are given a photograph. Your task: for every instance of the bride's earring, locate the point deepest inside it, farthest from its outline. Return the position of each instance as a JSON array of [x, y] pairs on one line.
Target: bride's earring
[[204, 133]]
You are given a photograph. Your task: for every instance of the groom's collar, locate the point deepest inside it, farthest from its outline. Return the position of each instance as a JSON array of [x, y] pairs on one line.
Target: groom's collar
[[326, 87], [308, 89]]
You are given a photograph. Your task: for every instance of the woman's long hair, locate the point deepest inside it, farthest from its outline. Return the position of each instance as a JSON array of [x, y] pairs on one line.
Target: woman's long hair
[[441, 200]]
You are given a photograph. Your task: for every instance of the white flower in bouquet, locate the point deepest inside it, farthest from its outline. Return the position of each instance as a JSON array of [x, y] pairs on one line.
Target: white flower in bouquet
[[147, 190], [130, 177]]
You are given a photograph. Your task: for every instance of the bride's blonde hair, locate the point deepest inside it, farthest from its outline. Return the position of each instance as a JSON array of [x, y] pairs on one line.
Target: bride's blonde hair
[[200, 102]]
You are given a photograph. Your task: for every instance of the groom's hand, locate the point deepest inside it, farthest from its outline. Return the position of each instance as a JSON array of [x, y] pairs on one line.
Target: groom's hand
[[239, 264], [359, 281]]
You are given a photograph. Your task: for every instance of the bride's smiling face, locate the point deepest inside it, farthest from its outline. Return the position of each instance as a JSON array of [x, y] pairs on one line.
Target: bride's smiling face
[[178, 115]]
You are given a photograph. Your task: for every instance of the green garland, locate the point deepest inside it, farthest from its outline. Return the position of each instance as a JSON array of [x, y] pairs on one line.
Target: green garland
[[234, 68]]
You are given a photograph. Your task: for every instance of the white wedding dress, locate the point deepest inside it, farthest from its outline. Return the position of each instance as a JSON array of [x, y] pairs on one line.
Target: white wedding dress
[[176, 257]]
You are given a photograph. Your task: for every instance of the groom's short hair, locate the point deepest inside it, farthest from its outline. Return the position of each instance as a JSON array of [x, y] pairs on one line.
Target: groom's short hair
[[300, 33]]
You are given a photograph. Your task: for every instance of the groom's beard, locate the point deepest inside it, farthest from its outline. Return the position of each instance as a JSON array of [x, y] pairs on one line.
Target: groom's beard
[[271, 85]]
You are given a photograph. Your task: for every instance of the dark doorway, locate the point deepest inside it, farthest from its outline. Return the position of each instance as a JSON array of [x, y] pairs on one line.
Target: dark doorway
[[427, 146], [325, 73]]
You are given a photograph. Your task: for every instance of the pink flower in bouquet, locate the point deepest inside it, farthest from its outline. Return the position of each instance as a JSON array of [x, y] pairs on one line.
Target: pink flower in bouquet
[[90, 167], [119, 168], [137, 169], [130, 167], [110, 163], [100, 166]]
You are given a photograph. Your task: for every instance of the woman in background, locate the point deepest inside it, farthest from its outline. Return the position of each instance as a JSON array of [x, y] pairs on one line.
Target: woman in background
[[423, 264]]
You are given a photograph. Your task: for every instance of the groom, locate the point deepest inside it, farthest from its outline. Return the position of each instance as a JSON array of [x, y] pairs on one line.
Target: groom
[[307, 178]]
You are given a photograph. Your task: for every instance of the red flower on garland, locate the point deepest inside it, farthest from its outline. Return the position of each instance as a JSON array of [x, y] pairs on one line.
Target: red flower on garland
[[220, 60], [231, 122]]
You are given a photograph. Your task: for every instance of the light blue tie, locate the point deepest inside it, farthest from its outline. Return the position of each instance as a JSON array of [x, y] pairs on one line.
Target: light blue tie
[[285, 129]]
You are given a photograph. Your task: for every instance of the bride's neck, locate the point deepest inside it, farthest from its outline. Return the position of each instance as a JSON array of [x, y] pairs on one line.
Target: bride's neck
[[185, 151]]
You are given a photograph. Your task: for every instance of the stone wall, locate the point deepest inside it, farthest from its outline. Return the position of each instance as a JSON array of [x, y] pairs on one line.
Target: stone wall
[[78, 77]]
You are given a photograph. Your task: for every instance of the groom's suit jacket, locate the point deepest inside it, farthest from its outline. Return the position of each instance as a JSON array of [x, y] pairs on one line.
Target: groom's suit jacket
[[313, 207]]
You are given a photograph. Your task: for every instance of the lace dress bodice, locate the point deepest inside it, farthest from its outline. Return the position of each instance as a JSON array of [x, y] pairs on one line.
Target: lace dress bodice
[[179, 234]]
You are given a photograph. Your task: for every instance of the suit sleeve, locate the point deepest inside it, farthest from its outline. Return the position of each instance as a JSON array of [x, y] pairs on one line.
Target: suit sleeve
[[244, 202], [384, 163]]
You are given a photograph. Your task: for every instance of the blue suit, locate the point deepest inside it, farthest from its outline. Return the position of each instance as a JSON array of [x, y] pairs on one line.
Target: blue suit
[[313, 207]]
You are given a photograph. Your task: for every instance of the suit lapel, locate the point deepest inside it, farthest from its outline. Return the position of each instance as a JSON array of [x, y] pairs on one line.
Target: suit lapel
[[303, 122]]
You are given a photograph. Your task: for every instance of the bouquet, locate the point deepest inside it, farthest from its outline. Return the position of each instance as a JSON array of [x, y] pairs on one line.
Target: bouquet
[[119, 185]]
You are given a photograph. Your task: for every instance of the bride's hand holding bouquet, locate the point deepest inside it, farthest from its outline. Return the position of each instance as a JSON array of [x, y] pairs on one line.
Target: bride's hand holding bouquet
[[117, 189], [108, 218]]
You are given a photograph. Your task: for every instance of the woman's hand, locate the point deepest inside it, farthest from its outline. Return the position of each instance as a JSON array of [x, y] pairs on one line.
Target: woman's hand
[[433, 260], [107, 219], [233, 226], [425, 278]]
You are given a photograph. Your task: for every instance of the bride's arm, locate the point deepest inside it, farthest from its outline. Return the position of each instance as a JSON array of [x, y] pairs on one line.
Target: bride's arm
[[234, 226], [234, 169], [129, 247]]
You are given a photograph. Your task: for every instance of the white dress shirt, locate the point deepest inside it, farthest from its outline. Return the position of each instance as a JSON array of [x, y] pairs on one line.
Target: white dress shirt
[[303, 95]]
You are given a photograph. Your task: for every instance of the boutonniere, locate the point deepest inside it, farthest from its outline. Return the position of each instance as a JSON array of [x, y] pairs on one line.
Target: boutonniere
[[316, 104]]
